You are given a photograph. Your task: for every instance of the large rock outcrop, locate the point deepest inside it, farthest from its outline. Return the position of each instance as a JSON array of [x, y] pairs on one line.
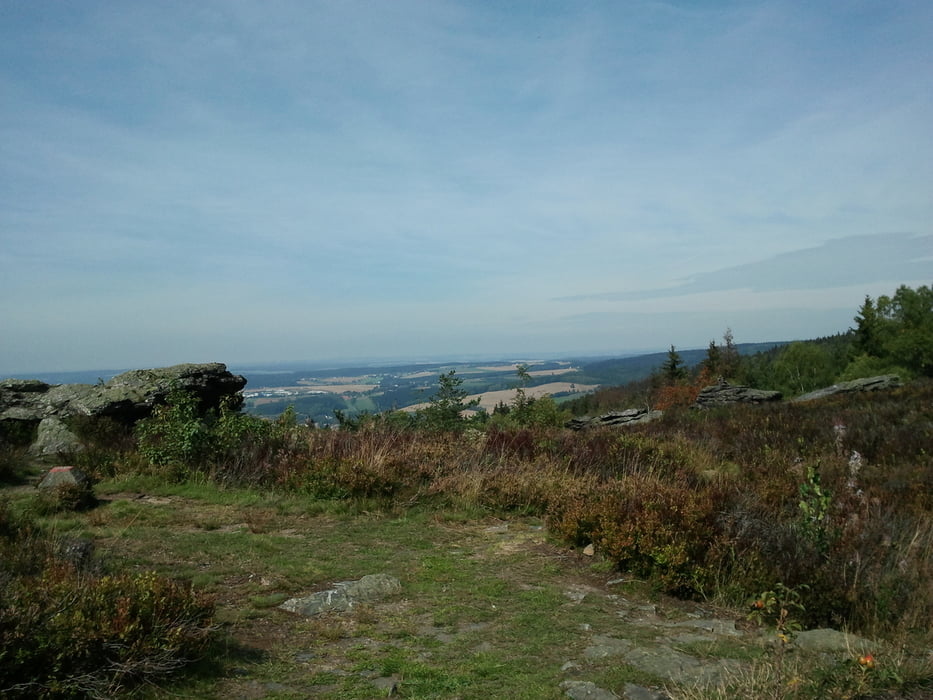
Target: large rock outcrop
[[879, 383], [28, 405], [725, 393]]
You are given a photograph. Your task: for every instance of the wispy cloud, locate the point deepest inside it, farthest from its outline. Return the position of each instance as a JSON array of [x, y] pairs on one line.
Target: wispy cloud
[[420, 173], [839, 262]]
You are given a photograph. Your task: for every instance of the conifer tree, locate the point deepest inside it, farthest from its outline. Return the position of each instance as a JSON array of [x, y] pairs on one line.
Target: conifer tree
[[673, 368]]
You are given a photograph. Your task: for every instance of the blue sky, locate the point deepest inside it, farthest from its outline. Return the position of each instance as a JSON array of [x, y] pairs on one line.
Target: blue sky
[[245, 181]]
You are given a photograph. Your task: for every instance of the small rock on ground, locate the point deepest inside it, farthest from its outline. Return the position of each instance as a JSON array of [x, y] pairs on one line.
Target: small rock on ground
[[585, 690], [637, 692]]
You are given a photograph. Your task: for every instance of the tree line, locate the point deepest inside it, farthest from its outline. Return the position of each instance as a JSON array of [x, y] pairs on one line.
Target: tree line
[[891, 335]]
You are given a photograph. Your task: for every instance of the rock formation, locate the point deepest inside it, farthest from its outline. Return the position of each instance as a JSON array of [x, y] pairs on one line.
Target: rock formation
[[31, 407], [630, 416], [884, 381], [725, 393]]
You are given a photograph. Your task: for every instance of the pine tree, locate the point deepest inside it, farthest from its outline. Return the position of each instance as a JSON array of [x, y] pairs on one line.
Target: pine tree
[[713, 362], [673, 368]]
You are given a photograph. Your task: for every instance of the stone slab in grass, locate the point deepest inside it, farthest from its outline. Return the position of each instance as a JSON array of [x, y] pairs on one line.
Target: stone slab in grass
[[344, 595], [830, 640]]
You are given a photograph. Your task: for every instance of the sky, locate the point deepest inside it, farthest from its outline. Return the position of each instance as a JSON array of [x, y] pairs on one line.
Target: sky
[[250, 181]]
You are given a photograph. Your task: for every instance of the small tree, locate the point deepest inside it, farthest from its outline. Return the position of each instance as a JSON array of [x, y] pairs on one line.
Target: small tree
[[713, 362], [443, 412], [867, 330], [673, 368], [521, 403], [176, 433], [729, 356]]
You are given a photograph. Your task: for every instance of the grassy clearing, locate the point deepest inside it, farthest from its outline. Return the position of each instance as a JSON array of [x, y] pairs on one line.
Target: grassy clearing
[[489, 608]]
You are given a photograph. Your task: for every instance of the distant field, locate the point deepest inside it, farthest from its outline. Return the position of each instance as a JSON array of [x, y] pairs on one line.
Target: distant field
[[490, 399], [312, 388], [332, 381], [340, 388], [552, 372]]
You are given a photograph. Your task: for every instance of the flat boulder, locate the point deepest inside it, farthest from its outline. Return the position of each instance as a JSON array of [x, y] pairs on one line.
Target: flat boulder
[[880, 383], [830, 640], [24, 386], [630, 416], [724, 393], [344, 595], [130, 396]]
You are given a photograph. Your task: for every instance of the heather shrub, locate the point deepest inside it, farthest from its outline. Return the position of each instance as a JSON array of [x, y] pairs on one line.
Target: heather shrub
[[502, 443], [247, 450], [65, 633], [373, 462], [64, 498], [834, 495], [655, 527]]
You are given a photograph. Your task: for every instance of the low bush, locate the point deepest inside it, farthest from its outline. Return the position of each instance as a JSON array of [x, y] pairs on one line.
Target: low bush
[[65, 633], [64, 498], [655, 527]]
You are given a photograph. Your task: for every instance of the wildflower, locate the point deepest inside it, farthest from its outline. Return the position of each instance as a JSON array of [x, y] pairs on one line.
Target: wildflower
[[855, 462], [866, 661], [783, 637], [758, 604]]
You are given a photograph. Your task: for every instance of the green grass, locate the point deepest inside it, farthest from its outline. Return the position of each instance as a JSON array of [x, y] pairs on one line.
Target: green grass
[[476, 618]]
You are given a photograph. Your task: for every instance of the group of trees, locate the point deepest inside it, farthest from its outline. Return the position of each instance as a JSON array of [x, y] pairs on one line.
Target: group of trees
[[892, 335], [895, 333]]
